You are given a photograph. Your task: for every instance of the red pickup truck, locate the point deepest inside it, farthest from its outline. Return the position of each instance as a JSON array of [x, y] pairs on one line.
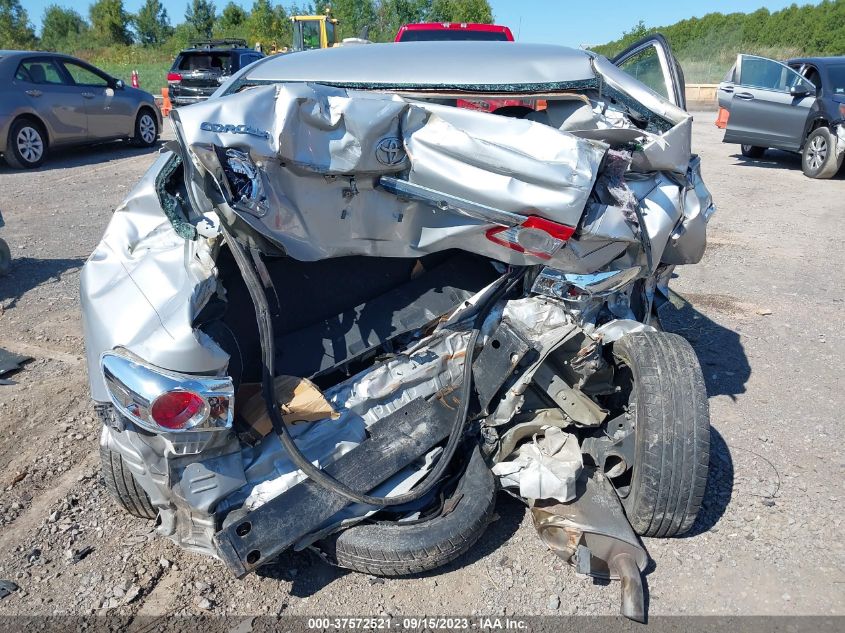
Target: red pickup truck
[[443, 31]]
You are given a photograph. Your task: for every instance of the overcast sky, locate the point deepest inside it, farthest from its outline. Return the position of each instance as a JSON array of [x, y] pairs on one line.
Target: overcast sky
[[549, 21]]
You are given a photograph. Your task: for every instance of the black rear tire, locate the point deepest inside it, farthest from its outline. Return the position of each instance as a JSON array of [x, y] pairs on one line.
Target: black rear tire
[[819, 158], [146, 129], [121, 484], [752, 151], [671, 419], [393, 549], [26, 147]]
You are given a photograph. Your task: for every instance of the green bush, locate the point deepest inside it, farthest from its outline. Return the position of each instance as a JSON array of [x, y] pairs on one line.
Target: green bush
[[707, 46]]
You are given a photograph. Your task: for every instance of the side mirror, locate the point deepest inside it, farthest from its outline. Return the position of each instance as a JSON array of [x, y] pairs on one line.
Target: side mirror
[[800, 91], [118, 83]]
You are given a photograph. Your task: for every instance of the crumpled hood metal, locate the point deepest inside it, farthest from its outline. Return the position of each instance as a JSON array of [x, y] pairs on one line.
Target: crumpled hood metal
[[325, 147]]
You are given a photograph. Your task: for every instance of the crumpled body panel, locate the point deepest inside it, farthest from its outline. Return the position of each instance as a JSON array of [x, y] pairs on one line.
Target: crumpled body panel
[[320, 150]]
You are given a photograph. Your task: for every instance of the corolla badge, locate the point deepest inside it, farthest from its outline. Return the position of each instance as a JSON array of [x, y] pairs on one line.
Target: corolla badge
[[227, 128], [390, 151]]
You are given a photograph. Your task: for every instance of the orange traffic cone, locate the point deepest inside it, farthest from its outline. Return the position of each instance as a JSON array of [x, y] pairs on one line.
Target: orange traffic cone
[[166, 106], [722, 119], [135, 82]]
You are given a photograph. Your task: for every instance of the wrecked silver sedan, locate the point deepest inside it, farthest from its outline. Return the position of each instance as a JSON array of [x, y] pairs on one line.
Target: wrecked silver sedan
[[340, 312]]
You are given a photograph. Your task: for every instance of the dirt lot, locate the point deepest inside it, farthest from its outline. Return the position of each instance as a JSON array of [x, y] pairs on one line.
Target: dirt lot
[[765, 317]]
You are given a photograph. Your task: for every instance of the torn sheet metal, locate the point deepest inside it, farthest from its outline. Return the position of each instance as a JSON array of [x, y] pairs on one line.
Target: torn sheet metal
[[318, 149], [546, 467], [434, 366], [547, 324], [672, 150]]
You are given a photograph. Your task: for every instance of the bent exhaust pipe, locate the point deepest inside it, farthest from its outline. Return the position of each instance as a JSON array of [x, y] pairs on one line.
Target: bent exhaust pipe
[[592, 534]]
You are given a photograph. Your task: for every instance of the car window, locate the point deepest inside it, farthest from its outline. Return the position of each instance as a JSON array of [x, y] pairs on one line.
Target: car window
[[330, 32], [205, 61], [310, 34], [812, 75], [83, 76], [730, 76], [39, 71], [645, 67], [836, 79], [247, 59], [758, 72]]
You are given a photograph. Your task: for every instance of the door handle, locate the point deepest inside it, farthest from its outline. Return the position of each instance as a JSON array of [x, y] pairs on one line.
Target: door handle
[[88, 95], [34, 93], [727, 88], [744, 95]]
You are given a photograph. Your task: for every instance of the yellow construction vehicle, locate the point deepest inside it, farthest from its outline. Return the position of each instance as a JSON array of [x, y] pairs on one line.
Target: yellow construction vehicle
[[315, 31]]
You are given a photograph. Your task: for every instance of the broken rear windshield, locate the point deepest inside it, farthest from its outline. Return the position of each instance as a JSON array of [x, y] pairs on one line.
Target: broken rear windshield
[[452, 35]]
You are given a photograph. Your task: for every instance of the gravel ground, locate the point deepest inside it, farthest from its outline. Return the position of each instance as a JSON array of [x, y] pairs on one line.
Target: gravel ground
[[764, 315]]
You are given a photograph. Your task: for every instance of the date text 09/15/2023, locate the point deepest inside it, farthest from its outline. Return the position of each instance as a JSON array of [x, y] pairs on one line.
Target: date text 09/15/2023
[[418, 623]]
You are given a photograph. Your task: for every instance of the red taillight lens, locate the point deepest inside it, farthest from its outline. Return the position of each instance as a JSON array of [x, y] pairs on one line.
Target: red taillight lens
[[174, 77], [536, 236], [175, 409]]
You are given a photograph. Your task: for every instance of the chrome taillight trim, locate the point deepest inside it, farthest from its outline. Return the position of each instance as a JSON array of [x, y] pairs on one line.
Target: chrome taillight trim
[[134, 385]]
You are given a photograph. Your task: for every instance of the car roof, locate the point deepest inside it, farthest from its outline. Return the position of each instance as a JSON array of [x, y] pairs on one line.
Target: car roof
[[480, 65], [221, 49], [818, 61]]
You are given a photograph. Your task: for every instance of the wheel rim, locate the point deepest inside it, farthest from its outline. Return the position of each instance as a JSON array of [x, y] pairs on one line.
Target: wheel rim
[[147, 128], [746, 149], [817, 152], [30, 145]]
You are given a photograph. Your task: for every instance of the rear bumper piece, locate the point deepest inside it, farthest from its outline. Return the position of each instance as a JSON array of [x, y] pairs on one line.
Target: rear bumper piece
[[395, 441]]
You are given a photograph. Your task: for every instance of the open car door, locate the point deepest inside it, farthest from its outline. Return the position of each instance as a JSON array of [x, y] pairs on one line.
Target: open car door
[[650, 61], [769, 103]]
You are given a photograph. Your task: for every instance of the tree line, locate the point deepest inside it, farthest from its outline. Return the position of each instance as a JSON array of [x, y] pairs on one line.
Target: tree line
[[109, 25], [798, 30]]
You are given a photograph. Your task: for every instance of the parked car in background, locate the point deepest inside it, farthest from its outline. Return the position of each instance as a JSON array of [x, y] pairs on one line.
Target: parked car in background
[[198, 71], [49, 100], [468, 31], [797, 105], [452, 31]]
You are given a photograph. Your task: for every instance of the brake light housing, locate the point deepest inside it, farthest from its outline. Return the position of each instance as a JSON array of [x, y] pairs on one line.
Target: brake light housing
[[536, 236], [163, 401], [174, 78], [175, 410]]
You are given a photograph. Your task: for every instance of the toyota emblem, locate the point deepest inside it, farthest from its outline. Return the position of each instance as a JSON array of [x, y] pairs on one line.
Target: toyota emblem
[[390, 151]]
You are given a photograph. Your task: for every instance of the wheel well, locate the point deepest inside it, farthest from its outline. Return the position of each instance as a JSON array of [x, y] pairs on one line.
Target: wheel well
[[817, 124], [812, 126], [516, 112], [34, 119]]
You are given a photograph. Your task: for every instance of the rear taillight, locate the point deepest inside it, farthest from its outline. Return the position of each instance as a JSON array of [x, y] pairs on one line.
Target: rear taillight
[[176, 410], [174, 78], [163, 401], [536, 236]]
